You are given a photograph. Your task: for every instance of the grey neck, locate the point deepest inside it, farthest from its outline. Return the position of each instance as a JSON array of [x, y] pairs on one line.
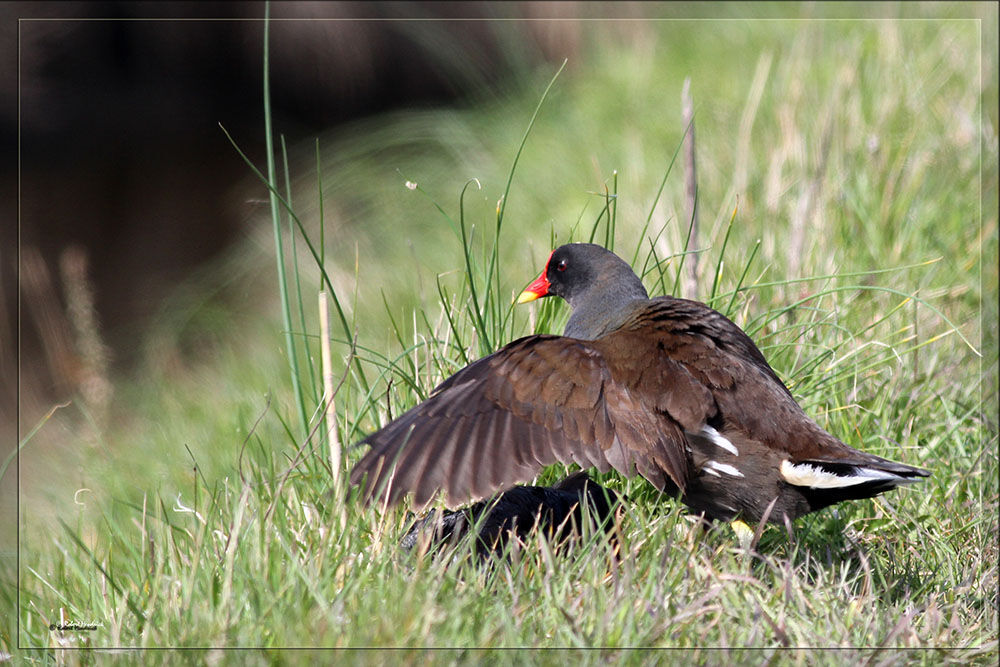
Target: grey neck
[[594, 317]]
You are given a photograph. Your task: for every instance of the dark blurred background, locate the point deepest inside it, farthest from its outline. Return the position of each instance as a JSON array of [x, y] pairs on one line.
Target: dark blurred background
[[127, 181]]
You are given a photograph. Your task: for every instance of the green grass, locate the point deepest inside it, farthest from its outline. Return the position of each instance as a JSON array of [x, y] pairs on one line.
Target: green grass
[[206, 523]]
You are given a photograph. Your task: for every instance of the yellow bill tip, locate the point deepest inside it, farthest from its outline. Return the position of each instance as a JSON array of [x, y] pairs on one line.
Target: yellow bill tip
[[526, 296]]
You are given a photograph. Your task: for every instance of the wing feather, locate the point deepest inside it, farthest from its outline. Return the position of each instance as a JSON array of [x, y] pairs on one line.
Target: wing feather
[[498, 421]]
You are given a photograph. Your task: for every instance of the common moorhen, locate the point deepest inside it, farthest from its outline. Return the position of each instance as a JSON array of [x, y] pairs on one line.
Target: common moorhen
[[665, 387]]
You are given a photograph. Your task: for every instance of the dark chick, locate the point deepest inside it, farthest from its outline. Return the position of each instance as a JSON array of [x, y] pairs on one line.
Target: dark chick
[[557, 511], [667, 388]]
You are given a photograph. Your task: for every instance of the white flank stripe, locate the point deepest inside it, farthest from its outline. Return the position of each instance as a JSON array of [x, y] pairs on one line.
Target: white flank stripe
[[805, 474], [718, 440], [712, 466], [710, 471]]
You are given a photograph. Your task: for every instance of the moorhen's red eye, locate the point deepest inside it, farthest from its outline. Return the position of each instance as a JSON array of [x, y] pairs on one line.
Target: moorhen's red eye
[[561, 266]]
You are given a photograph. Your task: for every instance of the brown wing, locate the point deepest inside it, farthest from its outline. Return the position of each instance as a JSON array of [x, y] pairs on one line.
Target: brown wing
[[498, 421]]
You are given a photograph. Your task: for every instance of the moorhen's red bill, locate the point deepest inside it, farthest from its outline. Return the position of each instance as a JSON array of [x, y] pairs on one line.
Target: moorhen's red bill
[[665, 387]]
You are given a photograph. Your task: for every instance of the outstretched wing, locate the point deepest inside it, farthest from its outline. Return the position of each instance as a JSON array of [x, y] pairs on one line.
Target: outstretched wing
[[498, 421]]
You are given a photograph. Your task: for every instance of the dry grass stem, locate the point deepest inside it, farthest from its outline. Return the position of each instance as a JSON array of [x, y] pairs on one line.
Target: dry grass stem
[[690, 189]]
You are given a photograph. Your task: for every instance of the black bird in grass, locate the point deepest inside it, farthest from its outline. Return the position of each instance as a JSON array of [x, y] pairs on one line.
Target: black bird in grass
[[665, 387], [557, 511]]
